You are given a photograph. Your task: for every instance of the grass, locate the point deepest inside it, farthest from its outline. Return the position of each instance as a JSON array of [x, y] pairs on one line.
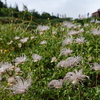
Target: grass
[[43, 71]]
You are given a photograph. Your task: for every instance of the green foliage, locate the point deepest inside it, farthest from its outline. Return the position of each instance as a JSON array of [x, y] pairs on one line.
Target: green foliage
[[43, 71]]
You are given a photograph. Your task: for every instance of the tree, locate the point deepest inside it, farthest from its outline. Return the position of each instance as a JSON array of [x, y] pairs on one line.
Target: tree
[[35, 14], [1, 4], [16, 8], [87, 14], [45, 15], [25, 8]]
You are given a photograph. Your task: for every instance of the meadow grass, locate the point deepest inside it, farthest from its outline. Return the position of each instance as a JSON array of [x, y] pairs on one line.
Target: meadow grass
[[48, 42]]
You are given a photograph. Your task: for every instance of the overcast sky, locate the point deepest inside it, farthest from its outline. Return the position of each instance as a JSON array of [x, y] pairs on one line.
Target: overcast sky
[[72, 8]]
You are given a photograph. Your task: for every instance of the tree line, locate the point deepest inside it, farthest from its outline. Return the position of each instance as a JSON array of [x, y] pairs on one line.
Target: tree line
[[6, 11]]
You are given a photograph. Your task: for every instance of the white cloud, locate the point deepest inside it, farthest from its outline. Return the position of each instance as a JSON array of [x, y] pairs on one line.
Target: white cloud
[[72, 8]]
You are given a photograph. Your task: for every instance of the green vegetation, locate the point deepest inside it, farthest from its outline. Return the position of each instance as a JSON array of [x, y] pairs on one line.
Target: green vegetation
[[49, 59]]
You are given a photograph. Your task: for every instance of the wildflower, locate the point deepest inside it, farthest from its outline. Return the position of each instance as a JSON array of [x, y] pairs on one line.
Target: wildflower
[[73, 61], [32, 37], [21, 85], [42, 28], [19, 45], [36, 57], [11, 80], [48, 18], [67, 24], [16, 37], [96, 32], [96, 66], [73, 33], [5, 67], [62, 29], [69, 62], [24, 40], [10, 42], [81, 30], [6, 50], [67, 41], [53, 59], [80, 40], [54, 32], [17, 70], [75, 78], [55, 83], [43, 42], [40, 33], [62, 63], [20, 59], [85, 25], [78, 26], [66, 52]]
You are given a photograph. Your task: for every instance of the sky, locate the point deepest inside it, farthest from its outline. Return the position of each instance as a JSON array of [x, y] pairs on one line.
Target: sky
[[72, 8]]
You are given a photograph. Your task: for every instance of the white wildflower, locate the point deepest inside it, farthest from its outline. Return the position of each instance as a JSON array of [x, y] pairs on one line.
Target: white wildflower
[[43, 42], [40, 33], [21, 85], [53, 59], [62, 63], [20, 59], [19, 45], [73, 61], [11, 80], [75, 78], [96, 66], [69, 62], [67, 41], [68, 24], [81, 30], [16, 37], [32, 37], [55, 83], [17, 70], [65, 52], [36, 57], [24, 40], [54, 32], [42, 28], [10, 42], [73, 33], [5, 67], [79, 40], [95, 32], [85, 25]]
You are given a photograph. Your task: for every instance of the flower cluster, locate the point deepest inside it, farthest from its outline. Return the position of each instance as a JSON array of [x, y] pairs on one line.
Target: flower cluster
[[67, 41], [36, 57], [68, 24], [69, 62], [65, 51], [42, 28], [96, 66], [21, 85], [55, 83], [75, 78], [5, 67], [80, 40], [95, 32], [20, 59]]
